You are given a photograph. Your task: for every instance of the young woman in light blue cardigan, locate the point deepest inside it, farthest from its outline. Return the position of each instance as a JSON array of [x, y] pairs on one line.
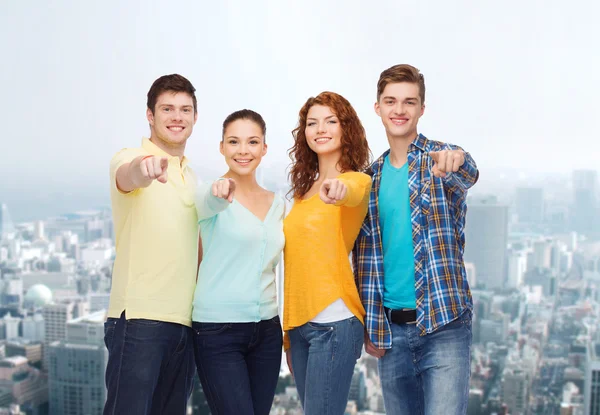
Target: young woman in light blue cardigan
[[238, 336]]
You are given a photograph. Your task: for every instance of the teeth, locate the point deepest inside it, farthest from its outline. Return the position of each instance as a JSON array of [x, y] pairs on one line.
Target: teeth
[[242, 161], [177, 129], [322, 140]]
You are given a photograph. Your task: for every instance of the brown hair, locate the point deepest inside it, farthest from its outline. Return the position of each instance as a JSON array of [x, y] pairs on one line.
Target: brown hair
[[249, 115], [173, 83], [401, 73], [355, 149]]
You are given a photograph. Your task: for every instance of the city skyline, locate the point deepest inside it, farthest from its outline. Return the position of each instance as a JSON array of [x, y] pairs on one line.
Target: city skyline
[[534, 320], [513, 83]]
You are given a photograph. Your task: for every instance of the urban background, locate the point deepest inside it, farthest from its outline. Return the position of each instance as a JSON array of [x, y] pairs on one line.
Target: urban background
[[533, 261], [514, 83]]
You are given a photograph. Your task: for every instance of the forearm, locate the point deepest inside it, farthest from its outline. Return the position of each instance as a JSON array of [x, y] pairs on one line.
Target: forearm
[[129, 177], [207, 204], [357, 192], [466, 176]]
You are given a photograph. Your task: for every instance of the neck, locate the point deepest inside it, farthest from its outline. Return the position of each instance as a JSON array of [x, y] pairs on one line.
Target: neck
[[175, 150], [244, 183], [399, 149], [328, 165]]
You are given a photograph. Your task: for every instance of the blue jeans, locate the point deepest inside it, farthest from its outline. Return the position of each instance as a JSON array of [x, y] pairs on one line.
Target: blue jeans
[[238, 365], [150, 367], [323, 360], [427, 374]]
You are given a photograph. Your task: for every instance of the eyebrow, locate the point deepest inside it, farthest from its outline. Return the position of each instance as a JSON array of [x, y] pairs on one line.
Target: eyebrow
[[405, 99], [171, 105], [314, 119], [249, 138]]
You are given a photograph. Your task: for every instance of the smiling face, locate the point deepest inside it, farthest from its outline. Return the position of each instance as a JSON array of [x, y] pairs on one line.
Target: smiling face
[[243, 146], [323, 130], [400, 108], [173, 119]]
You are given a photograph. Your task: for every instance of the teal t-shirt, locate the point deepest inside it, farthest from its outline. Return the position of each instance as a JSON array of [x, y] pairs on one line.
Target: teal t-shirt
[[396, 229]]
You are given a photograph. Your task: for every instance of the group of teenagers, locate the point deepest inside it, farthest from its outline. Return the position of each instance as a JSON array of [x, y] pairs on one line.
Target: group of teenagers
[[372, 255]]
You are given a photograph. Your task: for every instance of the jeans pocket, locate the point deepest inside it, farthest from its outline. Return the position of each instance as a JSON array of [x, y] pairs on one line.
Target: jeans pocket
[[144, 322], [275, 320], [466, 319], [321, 326], [109, 332], [206, 329]]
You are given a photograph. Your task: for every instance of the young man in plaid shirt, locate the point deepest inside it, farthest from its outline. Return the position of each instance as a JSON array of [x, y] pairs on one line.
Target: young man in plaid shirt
[[409, 258]]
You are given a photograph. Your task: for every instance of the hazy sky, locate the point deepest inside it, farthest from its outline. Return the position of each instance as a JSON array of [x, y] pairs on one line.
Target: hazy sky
[[516, 83]]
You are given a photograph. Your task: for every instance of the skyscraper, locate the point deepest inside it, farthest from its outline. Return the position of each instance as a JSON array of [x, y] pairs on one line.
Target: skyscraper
[[486, 237], [592, 379], [515, 389], [517, 265], [76, 367], [33, 327], [56, 317], [6, 224], [585, 203]]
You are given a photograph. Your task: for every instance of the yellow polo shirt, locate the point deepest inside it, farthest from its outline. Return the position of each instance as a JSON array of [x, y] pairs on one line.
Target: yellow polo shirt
[[156, 229]]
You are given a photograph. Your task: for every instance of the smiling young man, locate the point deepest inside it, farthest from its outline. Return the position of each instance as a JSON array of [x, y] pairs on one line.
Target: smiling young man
[[409, 258], [147, 332]]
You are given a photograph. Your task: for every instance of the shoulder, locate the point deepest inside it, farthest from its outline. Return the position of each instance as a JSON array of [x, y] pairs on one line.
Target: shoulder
[[356, 177], [277, 200], [125, 156]]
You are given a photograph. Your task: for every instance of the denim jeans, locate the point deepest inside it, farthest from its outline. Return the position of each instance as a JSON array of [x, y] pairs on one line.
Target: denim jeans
[[427, 374], [150, 367], [323, 360], [238, 365]]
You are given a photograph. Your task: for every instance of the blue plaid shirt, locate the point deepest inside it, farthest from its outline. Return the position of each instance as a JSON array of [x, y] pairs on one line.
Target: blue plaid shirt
[[438, 208]]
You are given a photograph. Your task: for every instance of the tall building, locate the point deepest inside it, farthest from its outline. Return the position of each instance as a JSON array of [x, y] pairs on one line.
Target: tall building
[[6, 224], [515, 387], [541, 255], [56, 317], [33, 328], [530, 205], [592, 379], [12, 326], [11, 291], [517, 266], [76, 367], [486, 237], [584, 215], [38, 230]]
